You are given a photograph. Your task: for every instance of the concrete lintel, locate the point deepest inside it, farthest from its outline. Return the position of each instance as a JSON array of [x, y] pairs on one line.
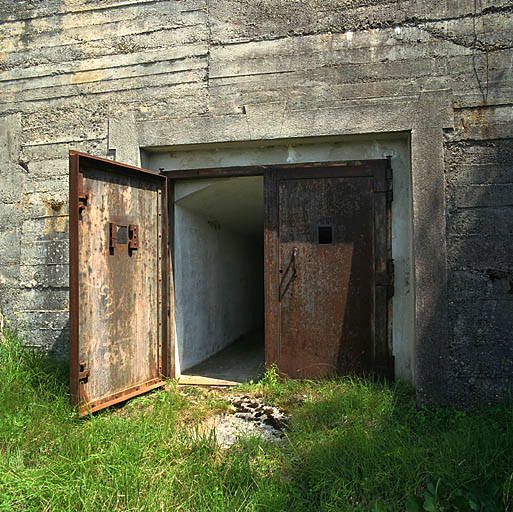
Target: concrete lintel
[[424, 116], [268, 121]]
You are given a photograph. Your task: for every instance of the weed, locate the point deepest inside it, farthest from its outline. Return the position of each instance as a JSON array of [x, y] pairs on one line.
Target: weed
[[352, 445], [438, 498]]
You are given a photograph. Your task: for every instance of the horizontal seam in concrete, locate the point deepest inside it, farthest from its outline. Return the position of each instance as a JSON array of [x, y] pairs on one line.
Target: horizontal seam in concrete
[[493, 105], [39, 287], [50, 217], [43, 310], [366, 79], [99, 93], [61, 141], [72, 71], [85, 82], [386, 43], [412, 22], [58, 32], [71, 45], [484, 207], [479, 235], [44, 264], [484, 185], [470, 142], [72, 12]]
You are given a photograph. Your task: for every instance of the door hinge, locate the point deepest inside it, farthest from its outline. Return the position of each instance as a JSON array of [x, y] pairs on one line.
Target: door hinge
[[383, 183], [83, 195], [385, 187], [389, 176], [387, 278], [391, 277], [83, 372]]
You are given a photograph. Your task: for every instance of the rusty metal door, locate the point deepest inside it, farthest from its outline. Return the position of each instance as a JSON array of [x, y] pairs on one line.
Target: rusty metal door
[[329, 269], [118, 285]]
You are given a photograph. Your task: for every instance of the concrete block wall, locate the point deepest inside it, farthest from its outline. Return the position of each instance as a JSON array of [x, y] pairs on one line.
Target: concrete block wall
[[80, 74], [479, 178]]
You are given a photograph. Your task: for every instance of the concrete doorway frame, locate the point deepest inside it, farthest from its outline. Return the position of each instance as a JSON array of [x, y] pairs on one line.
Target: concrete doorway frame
[[424, 117]]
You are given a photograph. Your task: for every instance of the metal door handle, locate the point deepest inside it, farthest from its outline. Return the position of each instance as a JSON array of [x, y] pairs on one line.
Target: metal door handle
[[291, 266]]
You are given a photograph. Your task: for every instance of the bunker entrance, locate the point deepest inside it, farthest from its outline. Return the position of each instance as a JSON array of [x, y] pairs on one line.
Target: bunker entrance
[[219, 278], [328, 277]]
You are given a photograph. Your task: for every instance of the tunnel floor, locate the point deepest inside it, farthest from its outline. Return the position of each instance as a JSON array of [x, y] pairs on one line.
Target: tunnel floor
[[239, 362]]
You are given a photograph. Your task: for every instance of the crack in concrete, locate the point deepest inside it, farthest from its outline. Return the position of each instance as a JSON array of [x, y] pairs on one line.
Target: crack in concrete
[[410, 22]]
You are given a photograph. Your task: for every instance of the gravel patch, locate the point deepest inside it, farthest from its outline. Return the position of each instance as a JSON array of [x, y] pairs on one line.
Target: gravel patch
[[250, 418]]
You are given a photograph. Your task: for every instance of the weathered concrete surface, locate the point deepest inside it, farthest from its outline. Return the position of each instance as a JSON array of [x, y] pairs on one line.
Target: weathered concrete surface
[[479, 176], [105, 76]]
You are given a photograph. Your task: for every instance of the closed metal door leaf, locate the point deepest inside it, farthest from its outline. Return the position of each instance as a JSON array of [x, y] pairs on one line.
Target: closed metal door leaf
[[328, 283]]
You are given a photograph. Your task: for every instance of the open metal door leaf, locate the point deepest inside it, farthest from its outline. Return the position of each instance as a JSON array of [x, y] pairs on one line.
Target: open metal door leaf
[[118, 281]]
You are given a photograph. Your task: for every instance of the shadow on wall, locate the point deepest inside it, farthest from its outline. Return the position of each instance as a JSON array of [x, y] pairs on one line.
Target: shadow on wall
[[60, 348], [45, 363], [56, 360], [479, 188]]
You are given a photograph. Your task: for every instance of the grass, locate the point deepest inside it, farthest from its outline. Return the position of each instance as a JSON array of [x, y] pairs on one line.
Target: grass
[[352, 445]]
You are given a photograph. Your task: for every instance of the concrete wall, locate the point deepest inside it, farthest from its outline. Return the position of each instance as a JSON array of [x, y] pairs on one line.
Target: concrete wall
[[108, 77], [218, 280]]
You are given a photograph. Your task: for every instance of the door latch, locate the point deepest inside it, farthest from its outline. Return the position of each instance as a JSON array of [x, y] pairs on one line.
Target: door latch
[[133, 236], [83, 372], [123, 236], [291, 267]]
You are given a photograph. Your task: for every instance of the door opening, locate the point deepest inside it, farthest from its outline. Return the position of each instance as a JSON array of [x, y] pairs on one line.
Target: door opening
[[218, 276]]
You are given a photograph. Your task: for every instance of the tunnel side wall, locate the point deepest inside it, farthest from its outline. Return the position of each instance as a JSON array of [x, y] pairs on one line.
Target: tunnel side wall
[[218, 286]]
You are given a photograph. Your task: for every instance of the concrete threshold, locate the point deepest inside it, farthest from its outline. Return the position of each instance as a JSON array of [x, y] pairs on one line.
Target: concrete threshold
[[198, 380], [239, 362]]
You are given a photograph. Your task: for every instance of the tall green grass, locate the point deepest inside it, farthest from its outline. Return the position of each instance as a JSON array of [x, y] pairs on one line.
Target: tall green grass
[[351, 445], [359, 445]]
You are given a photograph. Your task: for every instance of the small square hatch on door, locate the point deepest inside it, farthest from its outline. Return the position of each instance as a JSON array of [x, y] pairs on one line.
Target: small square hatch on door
[[325, 234], [123, 236]]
